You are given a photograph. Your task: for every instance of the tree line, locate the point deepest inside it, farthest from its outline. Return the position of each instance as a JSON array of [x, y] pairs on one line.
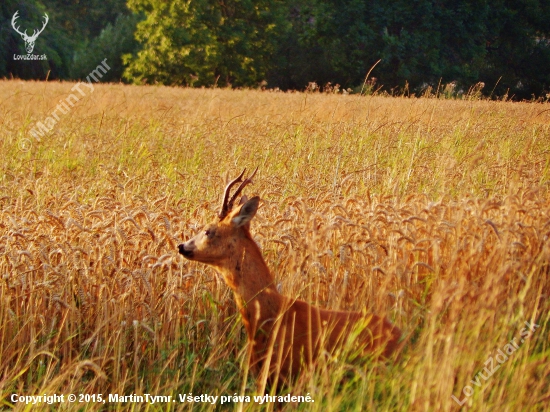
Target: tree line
[[287, 44]]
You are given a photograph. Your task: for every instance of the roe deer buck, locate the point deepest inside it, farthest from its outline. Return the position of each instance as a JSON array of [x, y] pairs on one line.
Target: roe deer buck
[[282, 331]]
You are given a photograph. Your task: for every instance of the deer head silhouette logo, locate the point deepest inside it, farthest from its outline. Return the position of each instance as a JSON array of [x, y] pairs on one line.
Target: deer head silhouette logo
[[29, 40]]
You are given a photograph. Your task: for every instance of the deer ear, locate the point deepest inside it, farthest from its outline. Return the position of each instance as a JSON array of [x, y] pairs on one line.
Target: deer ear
[[247, 212], [243, 200]]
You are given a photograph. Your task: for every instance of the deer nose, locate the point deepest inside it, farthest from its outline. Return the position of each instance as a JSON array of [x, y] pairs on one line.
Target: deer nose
[[185, 252]]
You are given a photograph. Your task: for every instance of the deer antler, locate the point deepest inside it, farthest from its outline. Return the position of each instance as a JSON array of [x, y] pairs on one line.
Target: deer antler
[[227, 205], [46, 20], [225, 210], [35, 34], [15, 17], [240, 188]]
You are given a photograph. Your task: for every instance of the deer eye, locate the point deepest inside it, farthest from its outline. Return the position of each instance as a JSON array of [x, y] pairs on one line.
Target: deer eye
[[209, 233]]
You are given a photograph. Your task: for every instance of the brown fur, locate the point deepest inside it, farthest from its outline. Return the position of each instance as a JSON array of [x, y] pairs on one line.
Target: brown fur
[[285, 331]]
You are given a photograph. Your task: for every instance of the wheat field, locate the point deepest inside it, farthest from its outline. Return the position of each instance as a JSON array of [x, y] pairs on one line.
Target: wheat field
[[433, 212]]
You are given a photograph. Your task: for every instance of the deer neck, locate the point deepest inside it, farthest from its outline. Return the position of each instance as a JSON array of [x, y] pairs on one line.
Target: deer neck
[[247, 274]]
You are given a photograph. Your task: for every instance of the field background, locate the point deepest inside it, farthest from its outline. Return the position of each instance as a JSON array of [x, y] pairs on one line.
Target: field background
[[434, 212]]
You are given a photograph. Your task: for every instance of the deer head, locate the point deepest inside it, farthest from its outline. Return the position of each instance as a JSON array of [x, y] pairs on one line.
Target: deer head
[[217, 242], [29, 40]]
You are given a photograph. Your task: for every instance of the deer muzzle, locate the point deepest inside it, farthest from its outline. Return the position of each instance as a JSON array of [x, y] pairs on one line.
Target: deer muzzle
[[186, 250]]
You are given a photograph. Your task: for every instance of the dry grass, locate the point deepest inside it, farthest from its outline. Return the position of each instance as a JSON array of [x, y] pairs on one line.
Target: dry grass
[[435, 212]]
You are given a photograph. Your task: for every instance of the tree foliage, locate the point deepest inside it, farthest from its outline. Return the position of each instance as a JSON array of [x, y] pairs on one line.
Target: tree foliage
[[205, 42], [424, 42], [289, 43], [112, 43]]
